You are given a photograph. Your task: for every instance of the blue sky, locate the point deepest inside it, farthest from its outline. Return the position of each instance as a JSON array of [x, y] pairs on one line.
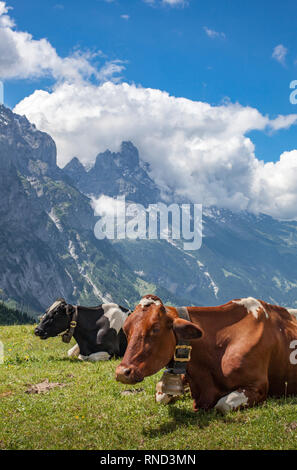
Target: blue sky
[[167, 48], [201, 87]]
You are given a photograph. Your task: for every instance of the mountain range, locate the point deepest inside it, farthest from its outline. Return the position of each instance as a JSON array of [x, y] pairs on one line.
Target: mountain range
[[48, 247]]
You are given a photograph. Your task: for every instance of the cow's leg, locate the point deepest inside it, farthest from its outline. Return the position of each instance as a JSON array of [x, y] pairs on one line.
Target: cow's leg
[[165, 398], [95, 357], [204, 391], [99, 356], [242, 397], [74, 352]]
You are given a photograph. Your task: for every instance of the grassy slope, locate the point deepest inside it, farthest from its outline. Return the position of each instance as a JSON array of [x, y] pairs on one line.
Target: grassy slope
[[91, 413]]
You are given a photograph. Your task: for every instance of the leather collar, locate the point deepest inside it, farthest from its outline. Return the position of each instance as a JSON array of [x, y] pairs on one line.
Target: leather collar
[[72, 312], [182, 354]]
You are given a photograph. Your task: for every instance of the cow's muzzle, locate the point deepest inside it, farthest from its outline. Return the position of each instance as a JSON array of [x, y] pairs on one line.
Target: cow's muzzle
[[40, 333], [128, 375]]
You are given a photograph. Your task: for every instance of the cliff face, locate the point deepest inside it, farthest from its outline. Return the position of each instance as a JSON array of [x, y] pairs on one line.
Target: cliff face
[[22, 145], [48, 248]]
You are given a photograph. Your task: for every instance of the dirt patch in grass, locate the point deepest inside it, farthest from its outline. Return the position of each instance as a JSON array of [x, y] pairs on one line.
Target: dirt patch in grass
[[44, 387]]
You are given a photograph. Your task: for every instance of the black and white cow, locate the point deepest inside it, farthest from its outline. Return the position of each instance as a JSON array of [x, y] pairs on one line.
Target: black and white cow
[[97, 330]]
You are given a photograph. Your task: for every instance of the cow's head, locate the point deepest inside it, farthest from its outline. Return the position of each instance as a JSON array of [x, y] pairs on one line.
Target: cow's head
[[54, 321], [152, 333]]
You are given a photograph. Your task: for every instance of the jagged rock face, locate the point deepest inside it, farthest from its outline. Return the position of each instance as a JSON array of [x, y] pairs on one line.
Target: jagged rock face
[[30, 271], [48, 248], [75, 170], [30, 150], [116, 174]]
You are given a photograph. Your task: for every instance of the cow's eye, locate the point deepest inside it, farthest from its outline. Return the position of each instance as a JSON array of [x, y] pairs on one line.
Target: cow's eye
[[155, 329]]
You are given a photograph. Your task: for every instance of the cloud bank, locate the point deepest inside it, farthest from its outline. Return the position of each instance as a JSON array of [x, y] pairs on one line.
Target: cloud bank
[[200, 151]]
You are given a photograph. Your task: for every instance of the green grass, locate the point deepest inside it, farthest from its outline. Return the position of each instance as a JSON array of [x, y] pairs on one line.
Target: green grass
[[92, 413]]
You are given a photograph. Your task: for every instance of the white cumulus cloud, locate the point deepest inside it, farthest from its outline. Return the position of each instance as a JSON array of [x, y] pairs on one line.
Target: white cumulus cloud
[[198, 150], [22, 56], [274, 187]]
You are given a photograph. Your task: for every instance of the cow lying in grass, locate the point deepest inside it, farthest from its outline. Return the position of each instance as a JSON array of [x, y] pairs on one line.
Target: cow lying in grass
[[97, 330], [241, 351]]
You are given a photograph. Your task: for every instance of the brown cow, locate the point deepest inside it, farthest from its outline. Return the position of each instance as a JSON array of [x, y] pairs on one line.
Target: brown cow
[[241, 351]]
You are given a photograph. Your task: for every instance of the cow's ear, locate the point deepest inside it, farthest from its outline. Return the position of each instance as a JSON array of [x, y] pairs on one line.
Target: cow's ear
[[186, 330]]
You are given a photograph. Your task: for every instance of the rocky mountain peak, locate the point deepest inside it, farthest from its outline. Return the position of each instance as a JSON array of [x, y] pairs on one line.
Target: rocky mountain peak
[[116, 173], [127, 157], [74, 169], [30, 150], [129, 153]]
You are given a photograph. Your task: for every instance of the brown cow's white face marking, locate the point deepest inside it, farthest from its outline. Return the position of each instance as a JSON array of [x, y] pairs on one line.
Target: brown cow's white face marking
[[293, 311], [147, 301], [231, 402], [252, 305]]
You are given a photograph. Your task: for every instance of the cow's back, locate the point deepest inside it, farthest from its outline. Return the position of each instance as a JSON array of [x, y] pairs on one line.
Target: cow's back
[[243, 339]]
